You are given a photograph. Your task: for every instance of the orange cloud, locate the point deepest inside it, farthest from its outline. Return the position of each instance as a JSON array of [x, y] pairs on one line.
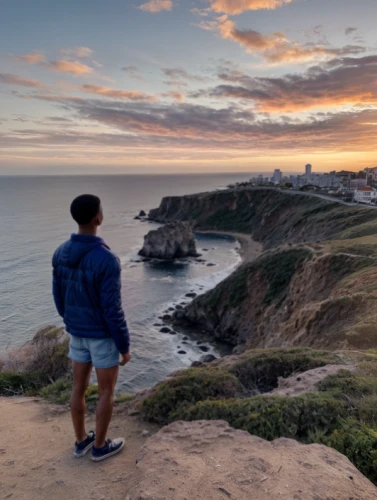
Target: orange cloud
[[157, 5], [275, 48], [129, 95], [239, 6], [10, 79], [80, 52], [32, 58], [177, 96], [74, 68], [348, 80]]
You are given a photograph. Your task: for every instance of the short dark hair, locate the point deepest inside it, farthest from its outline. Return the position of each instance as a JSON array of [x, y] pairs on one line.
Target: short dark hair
[[84, 208]]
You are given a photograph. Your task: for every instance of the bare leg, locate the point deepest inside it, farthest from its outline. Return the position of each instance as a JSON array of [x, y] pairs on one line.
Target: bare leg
[[81, 376], [106, 378]]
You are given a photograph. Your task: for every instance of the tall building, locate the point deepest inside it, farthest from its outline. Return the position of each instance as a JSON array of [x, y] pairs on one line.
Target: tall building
[[276, 179], [308, 170]]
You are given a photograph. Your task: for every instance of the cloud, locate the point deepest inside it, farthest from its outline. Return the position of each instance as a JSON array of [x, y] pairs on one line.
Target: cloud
[[157, 5], [239, 6], [133, 72], [74, 68], [177, 96], [79, 52], [348, 80], [10, 79], [31, 58], [275, 48], [349, 31], [130, 95], [184, 125]]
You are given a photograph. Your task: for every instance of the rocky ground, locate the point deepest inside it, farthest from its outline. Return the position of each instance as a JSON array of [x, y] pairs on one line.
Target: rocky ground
[[186, 460], [211, 461]]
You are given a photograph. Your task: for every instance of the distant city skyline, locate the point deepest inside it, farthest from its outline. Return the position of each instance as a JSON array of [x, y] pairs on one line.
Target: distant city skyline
[[165, 86]]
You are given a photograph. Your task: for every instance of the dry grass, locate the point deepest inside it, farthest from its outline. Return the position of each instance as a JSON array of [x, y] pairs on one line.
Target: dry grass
[[46, 352]]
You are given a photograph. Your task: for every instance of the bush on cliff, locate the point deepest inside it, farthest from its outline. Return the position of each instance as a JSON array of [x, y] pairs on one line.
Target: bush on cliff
[[22, 384], [252, 372], [187, 388], [47, 352], [271, 417], [259, 370]]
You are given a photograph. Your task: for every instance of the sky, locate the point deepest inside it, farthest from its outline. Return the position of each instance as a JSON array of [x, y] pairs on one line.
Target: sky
[[187, 86]]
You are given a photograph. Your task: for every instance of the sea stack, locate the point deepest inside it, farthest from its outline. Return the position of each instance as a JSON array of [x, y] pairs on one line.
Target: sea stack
[[172, 241]]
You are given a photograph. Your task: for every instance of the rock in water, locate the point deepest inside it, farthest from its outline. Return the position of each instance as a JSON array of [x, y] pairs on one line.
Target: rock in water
[[142, 213], [172, 241], [217, 462]]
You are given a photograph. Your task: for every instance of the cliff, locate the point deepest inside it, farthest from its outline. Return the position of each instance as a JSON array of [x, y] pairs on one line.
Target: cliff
[[270, 216], [313, 285]]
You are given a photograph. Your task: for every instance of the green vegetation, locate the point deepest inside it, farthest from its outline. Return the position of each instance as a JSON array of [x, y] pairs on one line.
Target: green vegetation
[[342, 414], [270, 417], [259, 370], [187, 388], [276, 269], [60, 393], [22, 384]]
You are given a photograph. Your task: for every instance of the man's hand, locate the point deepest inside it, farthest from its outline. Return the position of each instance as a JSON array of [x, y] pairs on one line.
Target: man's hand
[[125, 359]]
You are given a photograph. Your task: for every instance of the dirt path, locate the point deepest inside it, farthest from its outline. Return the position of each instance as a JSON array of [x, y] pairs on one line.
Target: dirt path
[[36, 460]]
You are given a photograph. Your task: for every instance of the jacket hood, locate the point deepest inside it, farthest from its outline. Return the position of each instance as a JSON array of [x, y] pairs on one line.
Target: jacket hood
[[78, 246]]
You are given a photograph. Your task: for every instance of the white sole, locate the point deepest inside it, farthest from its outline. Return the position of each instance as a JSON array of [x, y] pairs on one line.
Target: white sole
[[84, 451], [99, 459]]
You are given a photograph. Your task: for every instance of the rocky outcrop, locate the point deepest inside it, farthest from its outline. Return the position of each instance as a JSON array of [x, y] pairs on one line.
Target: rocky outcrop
[[172, 241], [208, 460]]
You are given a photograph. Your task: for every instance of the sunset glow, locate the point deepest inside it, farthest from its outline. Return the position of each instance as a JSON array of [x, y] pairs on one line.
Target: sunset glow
[[196, 86]]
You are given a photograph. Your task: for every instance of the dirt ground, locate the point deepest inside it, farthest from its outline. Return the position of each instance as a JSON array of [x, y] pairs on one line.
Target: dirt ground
[[36, 455]]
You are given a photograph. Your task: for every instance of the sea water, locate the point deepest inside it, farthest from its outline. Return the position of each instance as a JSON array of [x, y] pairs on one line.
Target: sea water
[[35, 219]]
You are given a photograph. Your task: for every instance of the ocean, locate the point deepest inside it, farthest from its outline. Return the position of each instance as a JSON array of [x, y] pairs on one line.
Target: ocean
[[35, 219]]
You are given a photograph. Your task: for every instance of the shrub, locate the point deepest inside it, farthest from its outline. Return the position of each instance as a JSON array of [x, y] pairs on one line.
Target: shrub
[[186, 388], [57, 393], [359, 443], [46, 352], [259, 370], [60, 392], [19, 384], [272, 417]]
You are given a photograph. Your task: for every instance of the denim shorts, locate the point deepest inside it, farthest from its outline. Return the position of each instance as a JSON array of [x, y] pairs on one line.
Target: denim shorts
[[101, 352]]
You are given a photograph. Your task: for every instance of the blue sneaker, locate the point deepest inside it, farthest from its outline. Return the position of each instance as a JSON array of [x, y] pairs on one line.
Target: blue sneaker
[[82, 448], [112, 447]]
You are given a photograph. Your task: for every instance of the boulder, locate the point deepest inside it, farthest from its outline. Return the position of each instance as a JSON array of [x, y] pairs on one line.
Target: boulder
[[142, 213], [172, 241], [208, 358], [208, 460]]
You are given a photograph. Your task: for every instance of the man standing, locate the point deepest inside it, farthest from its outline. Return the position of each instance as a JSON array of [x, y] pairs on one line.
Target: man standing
[[87, 294]]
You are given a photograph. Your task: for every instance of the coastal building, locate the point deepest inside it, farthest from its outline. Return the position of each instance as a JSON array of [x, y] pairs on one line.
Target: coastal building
[[357, 183], [323, 181], [277, 177], [308, 170], [365, 194]]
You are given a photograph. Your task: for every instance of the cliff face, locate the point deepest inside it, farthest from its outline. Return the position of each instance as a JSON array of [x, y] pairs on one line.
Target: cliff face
[[272, 217], [292, 296], [313, 285]]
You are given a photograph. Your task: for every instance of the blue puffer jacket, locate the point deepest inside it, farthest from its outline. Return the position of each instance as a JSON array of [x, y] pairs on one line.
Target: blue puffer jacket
[[87, 290]]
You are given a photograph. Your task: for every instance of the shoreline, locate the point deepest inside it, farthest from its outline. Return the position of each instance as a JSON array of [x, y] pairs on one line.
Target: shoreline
[[249, 249]]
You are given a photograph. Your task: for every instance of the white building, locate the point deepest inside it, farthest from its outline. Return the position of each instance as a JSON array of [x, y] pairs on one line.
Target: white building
[[365, 195], [276, 179]]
